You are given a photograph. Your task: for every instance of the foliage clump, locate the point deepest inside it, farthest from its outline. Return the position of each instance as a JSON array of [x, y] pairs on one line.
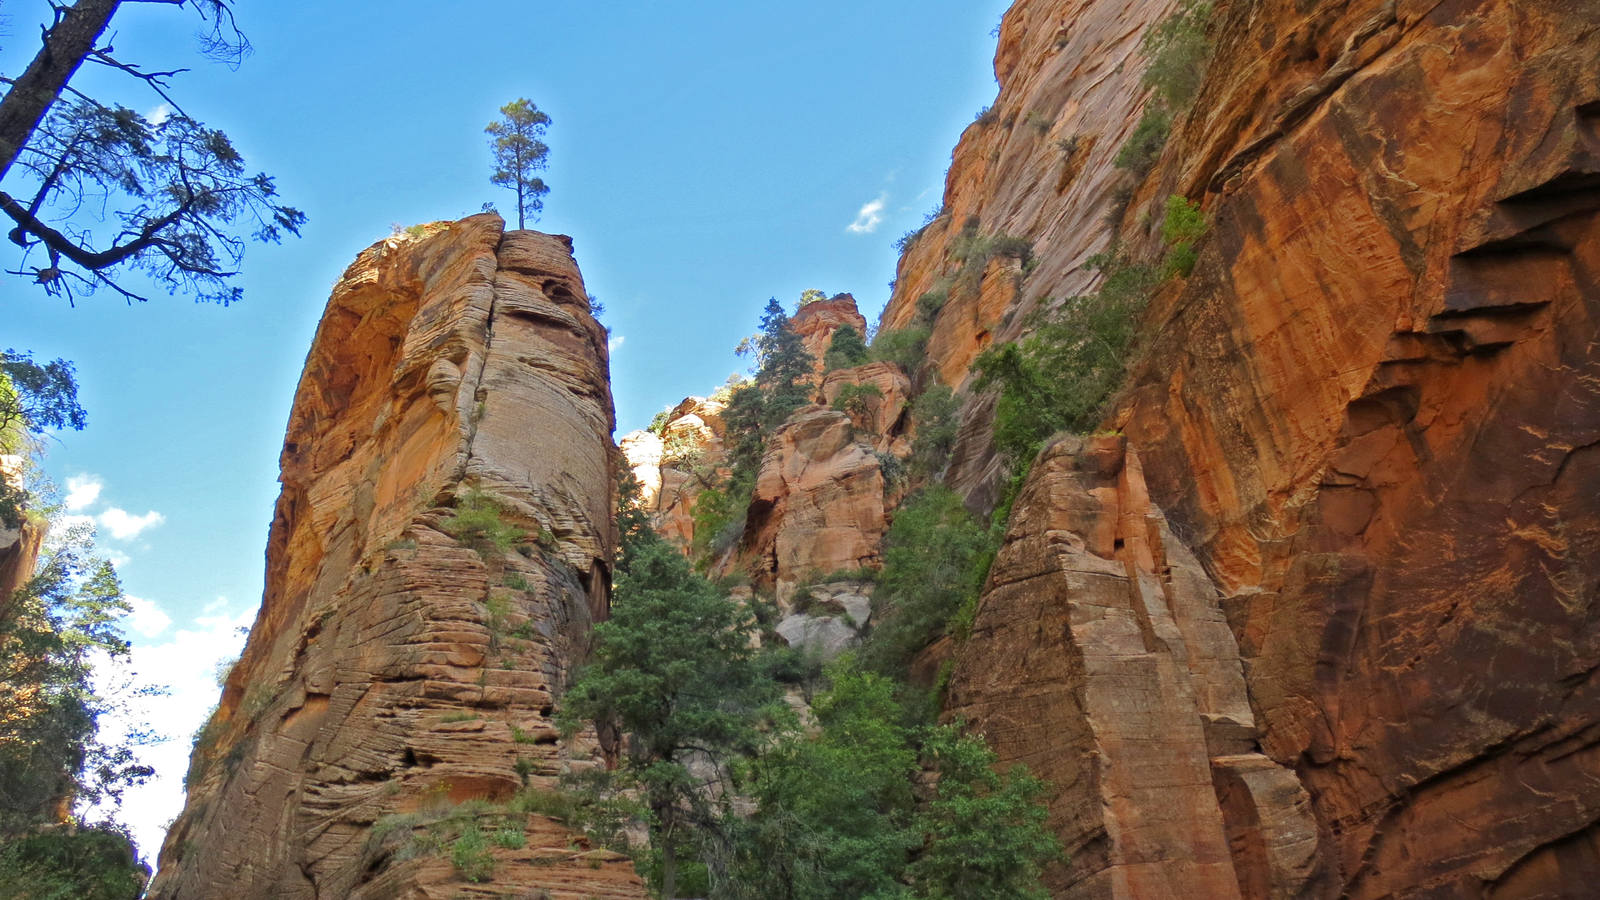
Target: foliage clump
[[478, 521], [838, 815], [71, 864], [676, 670], [852, 399], [935, 558], [846, 350], [1062, 375], [1178, 50], [933, 414]]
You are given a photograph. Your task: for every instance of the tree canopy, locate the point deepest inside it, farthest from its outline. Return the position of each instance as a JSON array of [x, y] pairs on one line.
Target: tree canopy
[[101, 197], [517, 141]]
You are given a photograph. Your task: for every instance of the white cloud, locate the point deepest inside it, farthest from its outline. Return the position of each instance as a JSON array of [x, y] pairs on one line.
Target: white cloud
[[159, 114], [83, 491], [124, 525], [185, 663], [146, 618], [615, 343], [869, 217]]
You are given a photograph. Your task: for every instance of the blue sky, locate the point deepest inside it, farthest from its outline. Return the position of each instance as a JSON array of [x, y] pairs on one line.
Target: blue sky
[[704, 157]]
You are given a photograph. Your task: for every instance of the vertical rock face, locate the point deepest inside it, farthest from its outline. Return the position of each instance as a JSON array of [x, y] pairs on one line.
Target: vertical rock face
[[1370, 412], [1099, 658], [400, 676]]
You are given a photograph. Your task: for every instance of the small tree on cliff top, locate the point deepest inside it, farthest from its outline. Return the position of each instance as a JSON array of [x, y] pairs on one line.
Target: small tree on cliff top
[[517, 141]]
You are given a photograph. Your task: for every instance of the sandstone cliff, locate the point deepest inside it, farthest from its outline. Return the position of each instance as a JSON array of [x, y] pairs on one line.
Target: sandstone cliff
[[1368, 414], [437, 557]]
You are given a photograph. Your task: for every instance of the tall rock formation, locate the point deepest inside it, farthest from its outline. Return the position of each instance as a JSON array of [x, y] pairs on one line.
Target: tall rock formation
[[1369, 415], [437, 557]]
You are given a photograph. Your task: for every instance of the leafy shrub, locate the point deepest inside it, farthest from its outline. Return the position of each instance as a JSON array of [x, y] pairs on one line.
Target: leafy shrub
[[904, 347], [1177, 50], [470, 855], [658, 422], [478, 522], [893, 469], [1182, 228], [933, 415], [1061, 376], [935, 558], [846, 350], [61, 864], [933, 300], [837, 814], [1149, 136], [853, 398]]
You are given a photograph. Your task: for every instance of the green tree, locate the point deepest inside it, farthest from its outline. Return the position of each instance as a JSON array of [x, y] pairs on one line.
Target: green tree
[[33, 399], [935, 558], [50, 632], [517, 141], [675, 671], [178, 197], [987, 834], [755, 409], [846, 349], [838, 817], [835, 810]]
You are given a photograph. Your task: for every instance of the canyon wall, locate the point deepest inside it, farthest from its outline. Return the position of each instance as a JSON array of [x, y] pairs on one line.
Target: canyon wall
[[1369, 415], [437, 558]]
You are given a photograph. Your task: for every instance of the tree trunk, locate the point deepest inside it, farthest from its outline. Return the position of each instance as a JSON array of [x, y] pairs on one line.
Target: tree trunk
[[669, 853], [65, 46]]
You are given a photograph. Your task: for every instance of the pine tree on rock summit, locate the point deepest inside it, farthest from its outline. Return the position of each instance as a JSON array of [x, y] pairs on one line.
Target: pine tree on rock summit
[[517, 140]]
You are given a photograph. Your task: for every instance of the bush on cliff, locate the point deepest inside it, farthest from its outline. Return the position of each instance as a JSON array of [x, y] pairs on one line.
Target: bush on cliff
[[935, 557], [839, 816], [846, 350], [1177, 50]]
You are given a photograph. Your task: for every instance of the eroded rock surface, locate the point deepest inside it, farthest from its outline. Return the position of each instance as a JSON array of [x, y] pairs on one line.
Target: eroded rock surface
[[818, 505], [400, 666], [1371, 409], [1100, 658]]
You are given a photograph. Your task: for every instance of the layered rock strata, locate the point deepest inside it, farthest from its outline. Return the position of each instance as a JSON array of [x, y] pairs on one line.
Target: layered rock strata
[[1369, 411], [437, 557]]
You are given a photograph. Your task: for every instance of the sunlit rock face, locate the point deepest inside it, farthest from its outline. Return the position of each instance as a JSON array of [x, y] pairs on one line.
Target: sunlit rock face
[[1369, 413], [398, 667]]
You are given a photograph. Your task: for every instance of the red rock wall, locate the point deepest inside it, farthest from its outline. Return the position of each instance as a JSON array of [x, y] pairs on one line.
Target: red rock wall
[[1368, 413], [392, 669]]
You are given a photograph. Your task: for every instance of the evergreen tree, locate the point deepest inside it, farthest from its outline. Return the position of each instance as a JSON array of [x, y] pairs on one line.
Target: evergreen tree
[[172, 198], [674, 670], [517, 140]]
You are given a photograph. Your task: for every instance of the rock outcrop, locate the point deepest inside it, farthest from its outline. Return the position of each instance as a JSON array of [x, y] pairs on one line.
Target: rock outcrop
[[1100, 658], [818, 506], [816, 322], [437, 557], [1369, 412]]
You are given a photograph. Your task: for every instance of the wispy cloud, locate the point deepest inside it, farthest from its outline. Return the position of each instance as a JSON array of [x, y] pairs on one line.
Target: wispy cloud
[[869, 217], [159, 114], [615, 343], [146, 618], [124, 525], [83, 491], [185, 663]]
